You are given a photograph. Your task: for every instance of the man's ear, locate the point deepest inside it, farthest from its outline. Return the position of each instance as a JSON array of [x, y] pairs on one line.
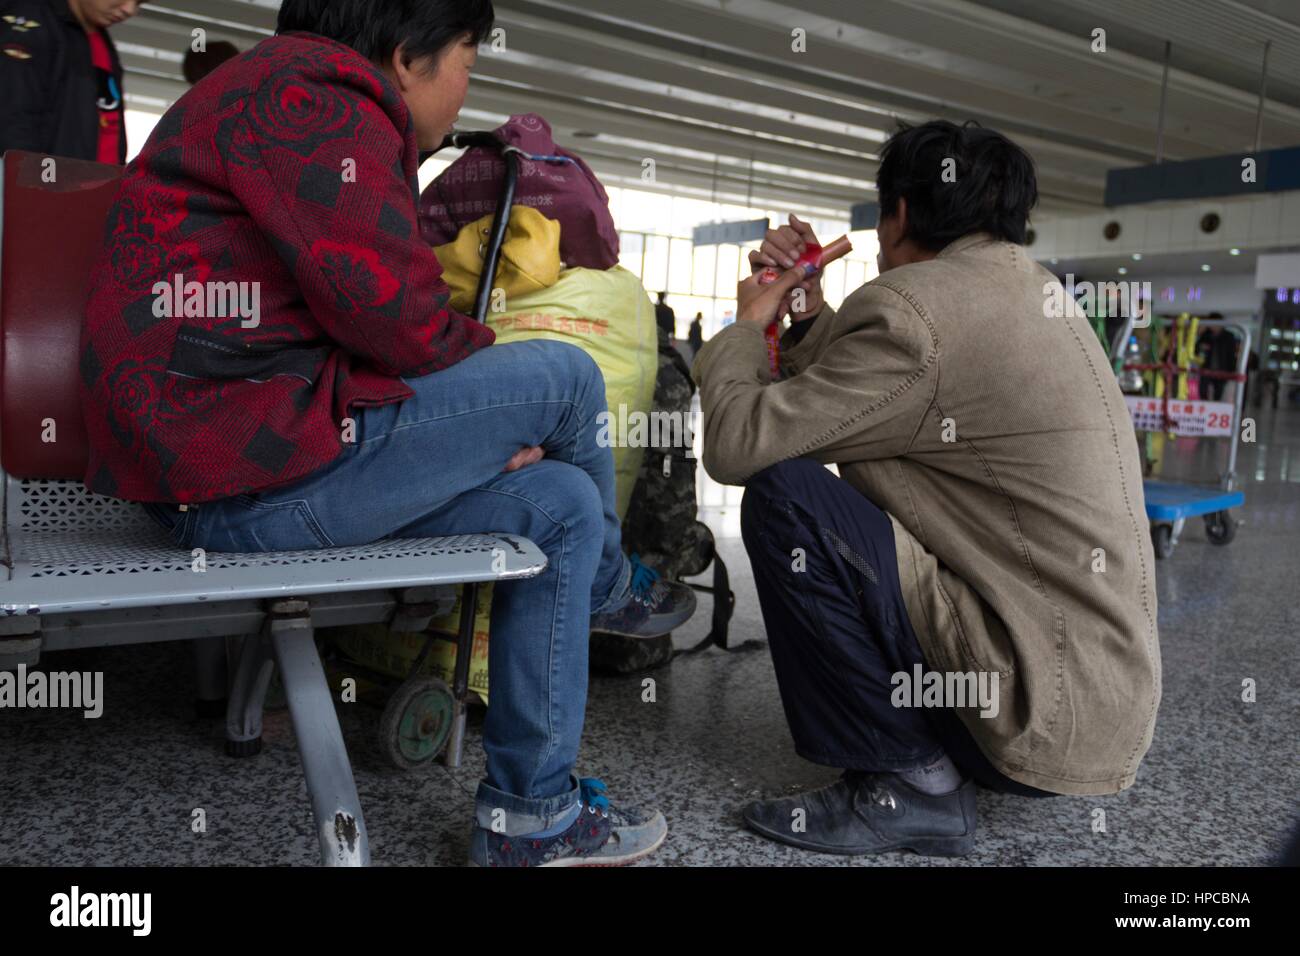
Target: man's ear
[[901, 219]]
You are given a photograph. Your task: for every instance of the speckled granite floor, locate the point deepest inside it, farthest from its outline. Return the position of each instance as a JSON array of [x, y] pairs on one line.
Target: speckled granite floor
[[1219, 785]]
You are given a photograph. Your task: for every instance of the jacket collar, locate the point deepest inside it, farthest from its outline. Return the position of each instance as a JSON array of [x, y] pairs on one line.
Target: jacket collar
[[967, 242]]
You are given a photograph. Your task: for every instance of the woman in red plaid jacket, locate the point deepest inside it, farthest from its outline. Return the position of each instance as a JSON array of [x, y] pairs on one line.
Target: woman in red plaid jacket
[[268, 343]]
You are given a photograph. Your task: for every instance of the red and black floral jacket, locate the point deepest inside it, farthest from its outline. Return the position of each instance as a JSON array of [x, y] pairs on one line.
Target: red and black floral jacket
[[291, 172]]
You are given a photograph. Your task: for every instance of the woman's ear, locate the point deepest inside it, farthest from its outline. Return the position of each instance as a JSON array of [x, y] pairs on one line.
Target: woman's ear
[[398, 68]]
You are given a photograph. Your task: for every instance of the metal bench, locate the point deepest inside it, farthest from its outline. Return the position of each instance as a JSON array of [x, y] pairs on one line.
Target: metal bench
[[81, 570]]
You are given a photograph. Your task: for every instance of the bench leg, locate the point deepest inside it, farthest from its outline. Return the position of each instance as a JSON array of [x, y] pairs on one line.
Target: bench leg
[[456, 742], [247, 695], [334, 801], [460, 677], [210, 676]]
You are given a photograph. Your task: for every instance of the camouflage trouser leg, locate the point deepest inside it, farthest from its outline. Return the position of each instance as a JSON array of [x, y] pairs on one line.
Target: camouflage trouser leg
[[661, 526], [661, 521]]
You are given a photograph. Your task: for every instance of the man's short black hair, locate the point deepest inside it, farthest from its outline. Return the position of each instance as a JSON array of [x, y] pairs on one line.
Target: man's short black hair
[[990, 186], [375, 28]]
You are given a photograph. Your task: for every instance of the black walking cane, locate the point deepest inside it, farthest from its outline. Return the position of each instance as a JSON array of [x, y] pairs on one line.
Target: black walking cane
[[491, 259], [501, 219]]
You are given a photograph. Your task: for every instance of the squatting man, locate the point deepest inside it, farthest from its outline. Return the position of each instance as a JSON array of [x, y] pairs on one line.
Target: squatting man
[[983, 452]]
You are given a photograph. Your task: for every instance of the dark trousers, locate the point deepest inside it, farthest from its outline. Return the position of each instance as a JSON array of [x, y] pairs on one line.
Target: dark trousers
[[827, 579]]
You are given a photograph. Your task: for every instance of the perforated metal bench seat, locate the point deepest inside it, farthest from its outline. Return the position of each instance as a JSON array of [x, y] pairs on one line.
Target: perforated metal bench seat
[[83, 570], [70, 551]]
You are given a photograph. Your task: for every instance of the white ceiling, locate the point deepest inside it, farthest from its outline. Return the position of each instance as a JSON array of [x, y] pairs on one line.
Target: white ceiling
[[1153, 266], [714, 93]]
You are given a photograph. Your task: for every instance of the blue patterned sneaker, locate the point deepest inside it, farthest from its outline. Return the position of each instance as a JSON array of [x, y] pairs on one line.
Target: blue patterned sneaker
[[601, 836], [654, 607]]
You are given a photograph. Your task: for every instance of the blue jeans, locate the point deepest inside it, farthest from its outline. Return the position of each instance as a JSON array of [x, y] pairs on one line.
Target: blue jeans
[[431, 466]]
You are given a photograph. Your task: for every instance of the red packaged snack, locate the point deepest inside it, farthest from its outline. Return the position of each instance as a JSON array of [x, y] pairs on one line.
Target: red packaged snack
[[814, 259]]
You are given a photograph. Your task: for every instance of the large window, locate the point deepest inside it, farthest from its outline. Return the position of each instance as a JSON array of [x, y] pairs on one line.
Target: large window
[[655, 234]]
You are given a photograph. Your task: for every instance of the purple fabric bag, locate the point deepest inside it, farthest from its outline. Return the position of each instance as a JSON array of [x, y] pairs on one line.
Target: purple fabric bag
[[568, 192]]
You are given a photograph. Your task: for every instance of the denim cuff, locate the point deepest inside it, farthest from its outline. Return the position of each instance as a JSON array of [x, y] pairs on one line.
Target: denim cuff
[[619, 593], [514, 816]]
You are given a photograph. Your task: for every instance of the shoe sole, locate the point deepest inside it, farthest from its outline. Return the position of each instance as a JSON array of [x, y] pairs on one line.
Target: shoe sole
[[635, 637], [925, 846], [604, 861], [661, 628]]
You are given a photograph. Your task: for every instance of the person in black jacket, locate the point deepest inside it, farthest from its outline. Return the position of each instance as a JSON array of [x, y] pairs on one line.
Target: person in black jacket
[[664, 315], [1217, 349], [62, 79]]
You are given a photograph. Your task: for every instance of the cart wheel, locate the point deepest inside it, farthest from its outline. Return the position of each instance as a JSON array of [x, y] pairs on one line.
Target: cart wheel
[[1162, 540], [416, 722], [1220, 527]]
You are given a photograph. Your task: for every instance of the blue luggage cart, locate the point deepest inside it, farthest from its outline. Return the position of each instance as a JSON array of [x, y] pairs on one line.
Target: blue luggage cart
[[1170, 504]]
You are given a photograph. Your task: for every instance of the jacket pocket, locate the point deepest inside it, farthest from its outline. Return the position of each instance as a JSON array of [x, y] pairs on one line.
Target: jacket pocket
[[209, 354], [981, 638]]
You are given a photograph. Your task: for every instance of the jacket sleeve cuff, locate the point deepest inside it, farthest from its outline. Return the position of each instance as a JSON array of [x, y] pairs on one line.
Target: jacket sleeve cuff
[[739, 343], [798, 354]]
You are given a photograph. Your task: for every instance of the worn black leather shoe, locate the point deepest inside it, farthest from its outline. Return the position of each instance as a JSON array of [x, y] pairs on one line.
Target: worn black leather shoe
[[870, 813]]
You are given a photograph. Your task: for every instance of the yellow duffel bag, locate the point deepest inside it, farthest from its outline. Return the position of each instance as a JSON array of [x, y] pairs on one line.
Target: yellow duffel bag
[[530, 257], [607, 314]]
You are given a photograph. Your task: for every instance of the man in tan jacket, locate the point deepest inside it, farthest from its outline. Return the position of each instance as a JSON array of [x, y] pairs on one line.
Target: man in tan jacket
[[972, 600]]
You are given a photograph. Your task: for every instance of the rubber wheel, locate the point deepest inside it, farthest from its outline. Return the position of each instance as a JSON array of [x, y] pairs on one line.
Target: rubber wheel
[[1220, 527], [416, 723], [1162, 540]]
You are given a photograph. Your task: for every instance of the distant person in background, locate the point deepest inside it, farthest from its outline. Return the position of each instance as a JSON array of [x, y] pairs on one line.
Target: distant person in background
[[61, 78], [665, 316], [695, 337], [1217, 349], [1252, 383], [199, 63], [1265, 378]]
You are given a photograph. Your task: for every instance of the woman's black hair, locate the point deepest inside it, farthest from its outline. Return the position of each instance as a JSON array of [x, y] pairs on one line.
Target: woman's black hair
[[375, 28], [989, 186]]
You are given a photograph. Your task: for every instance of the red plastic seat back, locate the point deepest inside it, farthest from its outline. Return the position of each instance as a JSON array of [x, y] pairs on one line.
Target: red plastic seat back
[[50, 234]]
